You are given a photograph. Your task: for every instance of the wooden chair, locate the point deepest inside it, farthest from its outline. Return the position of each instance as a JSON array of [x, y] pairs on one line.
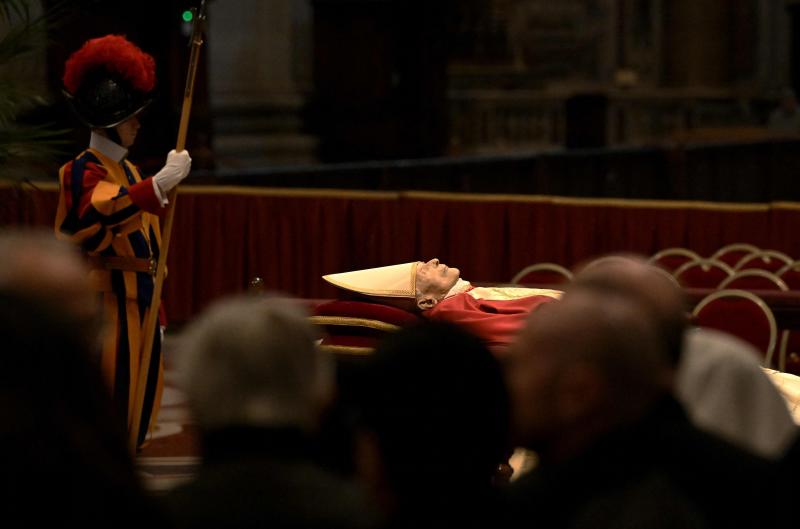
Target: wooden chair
[[742, 314], [754, 279], [703, 273], [790, 274], [731, 254], [769, 260], [542, 274], [671, 259]]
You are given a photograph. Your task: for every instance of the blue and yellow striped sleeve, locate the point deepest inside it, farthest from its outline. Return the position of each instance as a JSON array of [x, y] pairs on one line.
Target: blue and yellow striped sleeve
[[91, 206]]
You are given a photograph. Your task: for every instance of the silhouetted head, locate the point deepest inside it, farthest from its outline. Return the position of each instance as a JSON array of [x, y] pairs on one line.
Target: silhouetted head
[[60, 437], [435, 404], [35, 264], [646, 284], [252, 361], [580, 368]]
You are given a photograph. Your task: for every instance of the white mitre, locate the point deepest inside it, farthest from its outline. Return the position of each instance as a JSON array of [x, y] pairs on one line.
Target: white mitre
[[392, 285]]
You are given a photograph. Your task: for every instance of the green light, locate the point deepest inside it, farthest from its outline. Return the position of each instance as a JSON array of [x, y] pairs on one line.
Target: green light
[[187, 15]]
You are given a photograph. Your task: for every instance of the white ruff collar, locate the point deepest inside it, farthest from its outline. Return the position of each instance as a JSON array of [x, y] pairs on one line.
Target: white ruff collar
[[458, 288], [113, 150]]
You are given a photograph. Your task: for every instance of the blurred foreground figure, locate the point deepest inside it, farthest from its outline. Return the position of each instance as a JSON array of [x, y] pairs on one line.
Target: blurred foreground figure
[[111, 212], [64, 456], [435, 427], [62, 443], [587, 380], [257, 386], [726, 392], [35, 265], [716, 376]]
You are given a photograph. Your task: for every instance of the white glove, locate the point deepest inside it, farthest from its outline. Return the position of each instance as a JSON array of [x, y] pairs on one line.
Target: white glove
[[176, 169]]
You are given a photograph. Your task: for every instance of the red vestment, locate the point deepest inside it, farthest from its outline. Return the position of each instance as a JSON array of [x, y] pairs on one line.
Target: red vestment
[[496, 322]]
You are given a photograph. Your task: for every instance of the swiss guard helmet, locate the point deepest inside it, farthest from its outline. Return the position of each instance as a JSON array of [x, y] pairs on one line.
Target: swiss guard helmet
[[108, 81]]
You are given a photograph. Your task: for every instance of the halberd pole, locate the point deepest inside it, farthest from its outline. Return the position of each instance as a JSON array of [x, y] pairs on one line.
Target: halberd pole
[[151, 318]]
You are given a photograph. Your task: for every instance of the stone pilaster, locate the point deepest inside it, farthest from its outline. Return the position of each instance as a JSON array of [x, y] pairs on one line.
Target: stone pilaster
[[259, 53]]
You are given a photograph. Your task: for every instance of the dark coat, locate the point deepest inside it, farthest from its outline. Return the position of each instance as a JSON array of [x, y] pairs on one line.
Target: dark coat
[[265, 478], [660, 472]]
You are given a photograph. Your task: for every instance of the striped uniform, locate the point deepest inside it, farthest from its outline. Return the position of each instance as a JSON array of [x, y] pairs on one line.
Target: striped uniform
[[107, 209]]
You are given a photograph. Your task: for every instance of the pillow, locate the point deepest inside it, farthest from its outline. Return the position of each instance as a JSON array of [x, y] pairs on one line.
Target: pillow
[[367, 311], [356, 327]]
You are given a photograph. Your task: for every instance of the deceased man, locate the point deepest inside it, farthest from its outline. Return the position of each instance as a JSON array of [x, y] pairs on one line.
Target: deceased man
[[494, 314]]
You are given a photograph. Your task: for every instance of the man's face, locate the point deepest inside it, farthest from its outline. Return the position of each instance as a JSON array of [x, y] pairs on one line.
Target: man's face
[[435, 278], [127, 131]]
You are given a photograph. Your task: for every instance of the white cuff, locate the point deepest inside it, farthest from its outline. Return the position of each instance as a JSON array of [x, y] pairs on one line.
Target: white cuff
[[160, 194]]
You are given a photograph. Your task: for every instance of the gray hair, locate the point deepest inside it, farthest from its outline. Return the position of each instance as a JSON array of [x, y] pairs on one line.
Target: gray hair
[[253, 361]]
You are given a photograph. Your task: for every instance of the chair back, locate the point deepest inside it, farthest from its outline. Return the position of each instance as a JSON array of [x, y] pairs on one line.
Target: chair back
[[542, 274], [671, 259], [790, 274], [731, 254], [753, 279], [769, 260], [742, 314], [703, 273]]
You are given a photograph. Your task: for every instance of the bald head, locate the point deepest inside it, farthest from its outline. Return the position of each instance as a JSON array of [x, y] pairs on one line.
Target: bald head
[[33, 263], [582, 366], [653, 288]]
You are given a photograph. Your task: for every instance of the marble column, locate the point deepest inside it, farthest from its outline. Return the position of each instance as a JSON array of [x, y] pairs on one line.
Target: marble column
[[793, 9], [260, 71]]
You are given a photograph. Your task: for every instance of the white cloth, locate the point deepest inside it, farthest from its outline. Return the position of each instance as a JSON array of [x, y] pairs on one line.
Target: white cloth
[[511, 293], [789, 386], [458, 288], [725, 392]]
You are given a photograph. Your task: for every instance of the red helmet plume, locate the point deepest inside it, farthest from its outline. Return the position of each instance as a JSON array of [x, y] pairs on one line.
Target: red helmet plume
[[109, 80], [115, 54]]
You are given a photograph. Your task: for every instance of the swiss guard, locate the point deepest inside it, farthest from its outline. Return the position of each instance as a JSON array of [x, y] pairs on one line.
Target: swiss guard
[[111, 212]]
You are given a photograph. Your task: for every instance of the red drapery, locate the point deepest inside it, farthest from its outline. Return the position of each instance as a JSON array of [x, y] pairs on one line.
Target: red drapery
[[223, 237]]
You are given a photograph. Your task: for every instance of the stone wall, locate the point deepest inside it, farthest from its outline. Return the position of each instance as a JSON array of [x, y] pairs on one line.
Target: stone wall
[[665, 68]]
